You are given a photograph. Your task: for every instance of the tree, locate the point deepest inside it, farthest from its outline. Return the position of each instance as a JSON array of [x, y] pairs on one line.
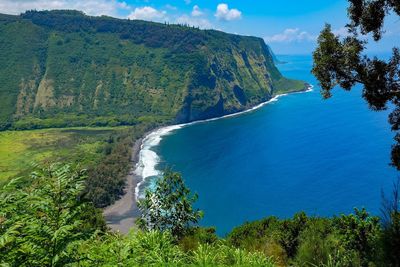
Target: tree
[[360, 232], [340, 62], [391, 226], [41, 224], [169, 207]]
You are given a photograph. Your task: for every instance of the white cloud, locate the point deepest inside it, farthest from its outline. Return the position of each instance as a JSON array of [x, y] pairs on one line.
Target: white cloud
[[90, 7], [342, 32], [224, 13], [196, 12], [194, 21], [290, 35], [147, 13]]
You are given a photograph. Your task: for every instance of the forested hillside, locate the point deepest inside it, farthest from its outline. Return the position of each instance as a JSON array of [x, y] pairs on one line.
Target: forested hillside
[[63, 68]]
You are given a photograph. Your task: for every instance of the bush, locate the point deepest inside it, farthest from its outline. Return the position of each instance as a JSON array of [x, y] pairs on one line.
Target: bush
[[197, 235], [220, 254], [360, 233], [40, 224], [320, 246]]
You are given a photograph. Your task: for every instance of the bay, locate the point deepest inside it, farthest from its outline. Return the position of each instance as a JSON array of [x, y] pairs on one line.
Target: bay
[[300, 153]]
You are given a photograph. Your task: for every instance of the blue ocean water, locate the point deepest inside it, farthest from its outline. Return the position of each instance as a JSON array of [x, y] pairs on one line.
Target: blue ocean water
[[301, 153]]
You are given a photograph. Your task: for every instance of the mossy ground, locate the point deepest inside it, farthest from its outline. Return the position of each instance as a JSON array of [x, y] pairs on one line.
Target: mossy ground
[[19, 149]]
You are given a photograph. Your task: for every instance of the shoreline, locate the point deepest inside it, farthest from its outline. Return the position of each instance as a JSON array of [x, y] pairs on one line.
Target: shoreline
[[120, 216]]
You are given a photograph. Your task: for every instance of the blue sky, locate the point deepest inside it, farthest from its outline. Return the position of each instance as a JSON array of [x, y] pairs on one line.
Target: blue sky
[[289, 27]]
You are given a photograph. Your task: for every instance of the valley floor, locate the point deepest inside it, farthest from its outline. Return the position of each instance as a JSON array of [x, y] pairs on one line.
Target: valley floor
[[20, 149]]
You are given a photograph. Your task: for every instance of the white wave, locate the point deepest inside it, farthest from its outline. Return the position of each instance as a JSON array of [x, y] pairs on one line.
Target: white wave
[[148, 159]]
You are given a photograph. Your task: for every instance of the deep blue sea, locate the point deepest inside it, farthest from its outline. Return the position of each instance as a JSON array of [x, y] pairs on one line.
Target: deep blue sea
[[301, 153]]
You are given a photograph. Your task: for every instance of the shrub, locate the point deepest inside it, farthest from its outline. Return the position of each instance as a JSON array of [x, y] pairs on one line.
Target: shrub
[[41, 223], [360, 233]]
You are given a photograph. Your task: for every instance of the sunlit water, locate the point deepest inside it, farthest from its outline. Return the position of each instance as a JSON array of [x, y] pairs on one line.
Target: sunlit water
[[300, 153]]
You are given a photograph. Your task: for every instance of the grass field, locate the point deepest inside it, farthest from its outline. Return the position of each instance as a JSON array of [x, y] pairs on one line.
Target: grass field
[[19, 149]]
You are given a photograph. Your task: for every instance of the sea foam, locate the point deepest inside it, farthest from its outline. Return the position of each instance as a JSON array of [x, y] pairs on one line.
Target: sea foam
[[148, 158]]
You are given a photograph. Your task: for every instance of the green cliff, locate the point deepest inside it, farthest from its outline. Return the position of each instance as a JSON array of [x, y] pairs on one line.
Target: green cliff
[[63, 68]]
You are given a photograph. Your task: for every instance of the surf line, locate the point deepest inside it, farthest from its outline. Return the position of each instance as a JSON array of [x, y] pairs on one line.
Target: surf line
[[148, 159]]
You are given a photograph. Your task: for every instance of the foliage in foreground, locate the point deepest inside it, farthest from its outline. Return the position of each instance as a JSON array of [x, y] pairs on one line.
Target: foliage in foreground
[[160, 248], [169, 206], [49, 223], [40, 223], [348, 240]]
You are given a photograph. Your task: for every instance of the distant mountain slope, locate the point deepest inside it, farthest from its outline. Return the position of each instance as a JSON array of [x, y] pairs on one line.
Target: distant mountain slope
[[63, 68], [274, 57]]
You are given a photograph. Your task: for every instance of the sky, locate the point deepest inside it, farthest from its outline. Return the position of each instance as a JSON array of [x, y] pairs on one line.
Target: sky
[[288, 26]]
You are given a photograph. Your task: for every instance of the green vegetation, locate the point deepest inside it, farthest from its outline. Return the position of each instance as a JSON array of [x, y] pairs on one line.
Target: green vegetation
[[18, 149], [106, 180], [65, 69], [41, 222], [49, 223], [169, 206], [348, 240], [105, 152], [161, 249], [342, 62], [284, 85]]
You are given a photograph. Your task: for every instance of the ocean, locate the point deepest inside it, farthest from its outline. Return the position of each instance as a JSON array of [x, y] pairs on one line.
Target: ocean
[[297, 153]]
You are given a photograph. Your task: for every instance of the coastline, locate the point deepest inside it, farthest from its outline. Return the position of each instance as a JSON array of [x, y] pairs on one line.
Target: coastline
[[146, 166], [121, 215]]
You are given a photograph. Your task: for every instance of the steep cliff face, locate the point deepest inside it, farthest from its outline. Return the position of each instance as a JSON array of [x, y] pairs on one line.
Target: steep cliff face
[[238, 73], [64, 68]]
